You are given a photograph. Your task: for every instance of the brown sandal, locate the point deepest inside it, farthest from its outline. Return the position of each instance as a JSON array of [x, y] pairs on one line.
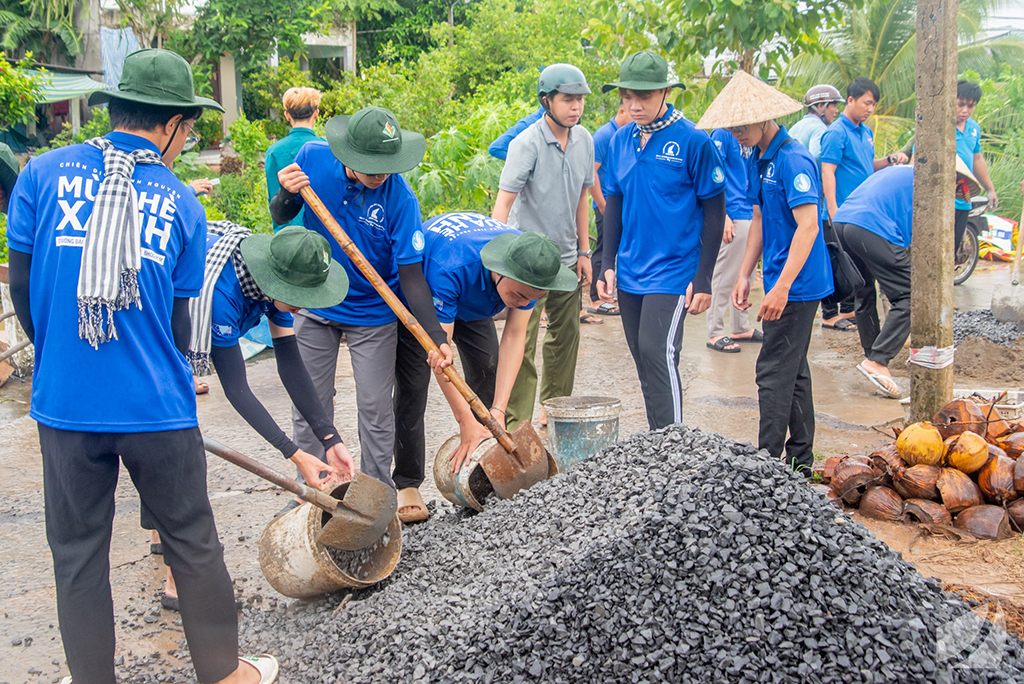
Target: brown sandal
[[411, 500]]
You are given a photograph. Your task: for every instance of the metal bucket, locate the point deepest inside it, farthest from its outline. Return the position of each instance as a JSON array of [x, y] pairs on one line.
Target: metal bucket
[[469, 487], [581, 426], [298, 567]]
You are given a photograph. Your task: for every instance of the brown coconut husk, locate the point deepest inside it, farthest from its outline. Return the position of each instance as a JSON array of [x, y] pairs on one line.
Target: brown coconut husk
[[882, 503], [958, 491], [1016, 513], [995, 480], [918, 482], [984, 522], [887, 459], [923, 511], [1012, 444], [959, 416], [852, 476], [967, 452]]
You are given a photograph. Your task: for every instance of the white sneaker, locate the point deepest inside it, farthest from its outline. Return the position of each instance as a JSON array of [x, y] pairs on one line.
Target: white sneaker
[[265, 664], [66, 680]]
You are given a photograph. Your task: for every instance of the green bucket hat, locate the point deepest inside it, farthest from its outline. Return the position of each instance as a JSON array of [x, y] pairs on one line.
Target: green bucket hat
[[294, 266], [156, 77], [643, 71], [371, 142], [529, 258], [9, 168]]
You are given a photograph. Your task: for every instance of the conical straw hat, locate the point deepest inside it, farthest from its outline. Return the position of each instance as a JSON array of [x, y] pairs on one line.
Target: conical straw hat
[[746, 100]]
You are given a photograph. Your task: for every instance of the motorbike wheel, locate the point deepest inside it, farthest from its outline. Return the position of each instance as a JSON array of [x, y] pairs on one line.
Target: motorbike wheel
[[966, 256]]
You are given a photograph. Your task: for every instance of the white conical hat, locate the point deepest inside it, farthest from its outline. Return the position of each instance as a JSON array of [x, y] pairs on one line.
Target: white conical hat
[[746, 100]]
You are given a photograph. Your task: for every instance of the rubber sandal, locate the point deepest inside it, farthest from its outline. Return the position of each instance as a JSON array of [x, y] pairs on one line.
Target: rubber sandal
[[171, 603], [605, 309], [841, 324], [265, 664], [590, 319], [755, 337], [410, 497], [720, 346], [879, 382], [156, 549]]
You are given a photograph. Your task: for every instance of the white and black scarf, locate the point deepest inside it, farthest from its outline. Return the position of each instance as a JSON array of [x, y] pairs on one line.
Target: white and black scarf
[[201, 308], [664, 122], [112, 252]]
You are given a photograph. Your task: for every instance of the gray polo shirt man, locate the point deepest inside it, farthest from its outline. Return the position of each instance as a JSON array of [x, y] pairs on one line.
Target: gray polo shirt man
[[548, 182]]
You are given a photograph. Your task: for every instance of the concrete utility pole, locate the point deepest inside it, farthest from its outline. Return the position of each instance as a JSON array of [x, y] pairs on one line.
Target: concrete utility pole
[[931, 257]]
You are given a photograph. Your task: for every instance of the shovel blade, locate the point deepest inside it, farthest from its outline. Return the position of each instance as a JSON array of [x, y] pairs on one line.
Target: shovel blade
[[365, 508], [510, 473], [1008, 303]]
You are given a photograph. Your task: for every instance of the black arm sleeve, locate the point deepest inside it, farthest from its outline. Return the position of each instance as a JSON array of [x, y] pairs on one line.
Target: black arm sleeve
[[20, 267], [285, 206], [181, 324], [710, 241], [421, 301], [299, 386], [612, 233], [231, 369]]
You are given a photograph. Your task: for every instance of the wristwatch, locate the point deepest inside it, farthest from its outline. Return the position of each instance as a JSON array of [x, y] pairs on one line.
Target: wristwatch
[[890, 159], [585, 252]]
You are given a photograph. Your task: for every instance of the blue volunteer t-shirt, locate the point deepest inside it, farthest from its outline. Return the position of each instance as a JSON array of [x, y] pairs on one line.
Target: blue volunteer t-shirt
[[462, 288], [968, 144], [788, 178], [736, 204], [662, 218], [852, 149], [139, 382], [883, 205], [602, 139], [234, 314], [383, 223], [499, 147]]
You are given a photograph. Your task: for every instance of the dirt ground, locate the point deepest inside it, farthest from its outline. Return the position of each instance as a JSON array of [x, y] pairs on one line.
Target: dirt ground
[[720, 395]]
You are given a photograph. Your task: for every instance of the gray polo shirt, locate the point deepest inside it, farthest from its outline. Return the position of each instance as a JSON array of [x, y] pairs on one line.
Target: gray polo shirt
[[549, 182]]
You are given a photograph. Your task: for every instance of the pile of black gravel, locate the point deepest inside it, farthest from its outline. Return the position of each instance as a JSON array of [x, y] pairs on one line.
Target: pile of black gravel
[[674, 556], [984, 325]]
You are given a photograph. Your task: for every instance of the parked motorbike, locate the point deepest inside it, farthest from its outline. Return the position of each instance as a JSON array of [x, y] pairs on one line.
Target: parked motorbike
[[967, 254]]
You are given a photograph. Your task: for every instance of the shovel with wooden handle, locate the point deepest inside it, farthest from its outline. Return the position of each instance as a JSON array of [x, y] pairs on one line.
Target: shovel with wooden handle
[[360, 510], [519, 460], [1008, 300]]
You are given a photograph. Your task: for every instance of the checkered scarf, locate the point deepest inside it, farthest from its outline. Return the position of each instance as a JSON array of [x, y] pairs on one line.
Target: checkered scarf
[[664, 122], [201, 308], [112, 254]]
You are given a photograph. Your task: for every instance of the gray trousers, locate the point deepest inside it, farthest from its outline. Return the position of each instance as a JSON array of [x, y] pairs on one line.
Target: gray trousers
[[372, 349], [727, 268]]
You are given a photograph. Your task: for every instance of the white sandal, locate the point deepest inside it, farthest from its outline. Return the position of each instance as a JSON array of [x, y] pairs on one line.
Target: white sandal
[[265, 664]]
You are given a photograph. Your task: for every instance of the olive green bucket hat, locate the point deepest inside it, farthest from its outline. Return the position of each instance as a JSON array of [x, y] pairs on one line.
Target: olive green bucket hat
[[643, 71], [294, 266], [156, 77], [529, 258], [9, 168], [371, 142]]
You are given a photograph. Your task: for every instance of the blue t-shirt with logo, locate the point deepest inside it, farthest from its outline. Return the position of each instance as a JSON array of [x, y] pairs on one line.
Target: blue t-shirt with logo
[[852, 149], [788, 178], [661, 186], [883, 205], [383, 223], [602, 138], [462, 288], [139, 382], [234, 314], [968, 144], [736, 204]]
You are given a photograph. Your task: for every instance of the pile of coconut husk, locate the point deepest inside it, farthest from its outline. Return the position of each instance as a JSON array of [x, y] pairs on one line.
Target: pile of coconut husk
[[962, 469]]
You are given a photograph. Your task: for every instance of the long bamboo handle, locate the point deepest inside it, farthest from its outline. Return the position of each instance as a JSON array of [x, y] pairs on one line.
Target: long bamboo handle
[[1020, 244], [405, 316]]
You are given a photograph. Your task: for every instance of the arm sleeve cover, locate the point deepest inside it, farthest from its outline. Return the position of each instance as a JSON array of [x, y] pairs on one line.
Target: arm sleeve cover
[[710, 241], [421, 302], [20, 269], [181, 324], [612, 232], [231, 369], [284, 207], [299, 386]]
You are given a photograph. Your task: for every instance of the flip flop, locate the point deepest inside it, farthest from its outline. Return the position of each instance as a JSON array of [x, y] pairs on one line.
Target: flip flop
[[879, 381], [265, 664], [605, 309], [590, 319], [721, 344], [171, 603], [156, 548], [841, 324], [410, 498], [756, 336]]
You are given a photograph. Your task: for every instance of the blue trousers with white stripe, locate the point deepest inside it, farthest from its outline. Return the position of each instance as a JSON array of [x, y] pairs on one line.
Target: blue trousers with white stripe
[[653, 325]]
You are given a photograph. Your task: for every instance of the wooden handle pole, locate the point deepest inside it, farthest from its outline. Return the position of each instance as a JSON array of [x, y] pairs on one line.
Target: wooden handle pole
[[1015, 278], [405, 316]]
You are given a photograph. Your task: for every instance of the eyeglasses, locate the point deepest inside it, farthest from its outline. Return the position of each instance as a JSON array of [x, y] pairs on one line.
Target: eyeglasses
[[736, 129], [191, 140]]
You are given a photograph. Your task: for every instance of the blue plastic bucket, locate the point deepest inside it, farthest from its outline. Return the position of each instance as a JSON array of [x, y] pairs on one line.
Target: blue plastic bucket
[[581, 426]]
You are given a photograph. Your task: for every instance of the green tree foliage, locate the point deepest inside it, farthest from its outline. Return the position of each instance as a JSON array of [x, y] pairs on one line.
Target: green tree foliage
[[43, 27], [242, 197], [19, 91], [403, 32], [265, 86], [151, 20]]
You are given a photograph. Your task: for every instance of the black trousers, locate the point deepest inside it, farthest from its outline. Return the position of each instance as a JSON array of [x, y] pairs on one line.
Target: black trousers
[[833, 310], [169, 471], [889, 264], [784, 387], [598, 257], [959, 226], [653, 326], [478, 349]]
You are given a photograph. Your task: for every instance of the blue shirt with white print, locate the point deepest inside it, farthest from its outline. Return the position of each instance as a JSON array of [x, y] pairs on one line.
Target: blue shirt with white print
[[883, 205], [736, 204], [783, 178], [851, 147], [383, 223], [661, 185], [460, 284], [138, 382]]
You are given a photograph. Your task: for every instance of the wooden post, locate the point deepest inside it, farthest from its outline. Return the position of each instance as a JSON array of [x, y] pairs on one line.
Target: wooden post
[[931, 256]]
